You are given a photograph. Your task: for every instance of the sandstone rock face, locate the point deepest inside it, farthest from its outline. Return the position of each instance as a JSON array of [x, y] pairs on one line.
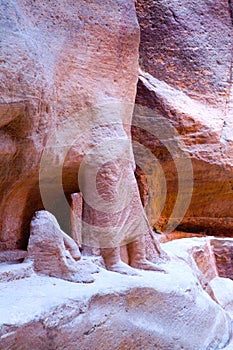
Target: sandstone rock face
[[188, 46], [223, 253], [186, 78], [151, 311], [58, 60], [67, 68]]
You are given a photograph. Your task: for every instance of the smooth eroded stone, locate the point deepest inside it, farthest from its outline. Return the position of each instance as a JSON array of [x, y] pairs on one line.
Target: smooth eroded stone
[[152, 311]]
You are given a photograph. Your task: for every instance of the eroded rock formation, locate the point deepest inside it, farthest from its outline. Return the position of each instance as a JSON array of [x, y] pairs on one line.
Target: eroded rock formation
[[69, 73], [54, 253], [60, 62], [186, 78]]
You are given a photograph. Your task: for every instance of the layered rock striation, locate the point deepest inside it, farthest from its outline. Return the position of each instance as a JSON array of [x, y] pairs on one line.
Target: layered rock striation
[[186, 80]]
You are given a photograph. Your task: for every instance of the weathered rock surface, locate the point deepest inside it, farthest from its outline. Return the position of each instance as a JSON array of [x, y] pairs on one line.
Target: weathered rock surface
[[12, 255], [54, 253], [223, 253], [154, 311], [223, 291], [212, 255], [195, 251], [188, 45], [60, 62], [186, 78], [15, 271]]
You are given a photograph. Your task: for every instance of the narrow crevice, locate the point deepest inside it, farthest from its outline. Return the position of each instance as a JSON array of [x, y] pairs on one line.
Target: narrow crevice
[[175, 16]]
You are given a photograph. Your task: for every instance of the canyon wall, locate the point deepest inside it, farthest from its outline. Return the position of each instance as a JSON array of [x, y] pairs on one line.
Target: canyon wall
[[61, 62], [67, 67], [186, 81]]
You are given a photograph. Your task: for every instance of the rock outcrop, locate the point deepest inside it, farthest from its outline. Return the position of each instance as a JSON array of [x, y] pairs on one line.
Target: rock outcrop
[[186, 78]]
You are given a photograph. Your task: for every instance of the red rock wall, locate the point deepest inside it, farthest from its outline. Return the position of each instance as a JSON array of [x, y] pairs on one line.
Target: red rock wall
[[57, 59], [186, 47]]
